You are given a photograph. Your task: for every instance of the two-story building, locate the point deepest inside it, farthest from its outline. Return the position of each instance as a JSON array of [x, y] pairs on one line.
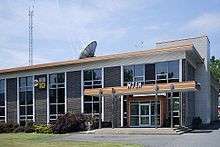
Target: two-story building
[[170, 83]]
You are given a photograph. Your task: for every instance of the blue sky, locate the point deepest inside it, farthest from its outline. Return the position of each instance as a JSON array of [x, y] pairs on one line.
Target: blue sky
[[63, 27]]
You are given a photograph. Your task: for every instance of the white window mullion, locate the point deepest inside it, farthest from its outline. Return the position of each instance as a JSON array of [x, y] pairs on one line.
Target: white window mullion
[[82, 92], [103, 110], [48, 104], [18, 107], [122, 97], [65, 86], [5, 91], [33, 99]]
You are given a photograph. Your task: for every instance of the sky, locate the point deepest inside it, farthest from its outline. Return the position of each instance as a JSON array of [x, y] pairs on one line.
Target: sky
[[62, 27]]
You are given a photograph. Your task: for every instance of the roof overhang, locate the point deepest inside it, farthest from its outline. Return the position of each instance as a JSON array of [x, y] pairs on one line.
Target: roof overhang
[[145, 89], [145, 53]]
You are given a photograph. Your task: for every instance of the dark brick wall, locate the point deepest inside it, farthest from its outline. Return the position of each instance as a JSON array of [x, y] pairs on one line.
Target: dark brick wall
[[112, 77], [41, 102], [11, 100], [74, 91]]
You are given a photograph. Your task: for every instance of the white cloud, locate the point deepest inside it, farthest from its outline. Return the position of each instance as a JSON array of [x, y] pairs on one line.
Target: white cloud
[[208, 22], [60, 22]]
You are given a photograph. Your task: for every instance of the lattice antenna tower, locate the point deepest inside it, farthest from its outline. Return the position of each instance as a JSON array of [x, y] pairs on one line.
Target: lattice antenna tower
[[30, 27]]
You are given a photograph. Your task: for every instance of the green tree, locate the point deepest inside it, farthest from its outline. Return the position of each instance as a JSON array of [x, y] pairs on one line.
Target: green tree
[[215, 67]]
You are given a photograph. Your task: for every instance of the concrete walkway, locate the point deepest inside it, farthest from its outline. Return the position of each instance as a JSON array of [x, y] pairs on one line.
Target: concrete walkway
[[134, 131]]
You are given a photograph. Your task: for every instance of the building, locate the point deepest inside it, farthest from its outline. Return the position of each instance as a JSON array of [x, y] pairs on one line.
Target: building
[[134, 89]]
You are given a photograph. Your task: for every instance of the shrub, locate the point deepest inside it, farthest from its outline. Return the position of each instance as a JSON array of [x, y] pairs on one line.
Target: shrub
[[8, 127], [42, 129], [19, 129], [196, 123], [66, 123], [29, 127], [74, 122]]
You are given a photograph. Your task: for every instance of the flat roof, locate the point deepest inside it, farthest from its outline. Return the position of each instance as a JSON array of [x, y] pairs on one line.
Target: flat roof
[[177, 40], [150, 52]]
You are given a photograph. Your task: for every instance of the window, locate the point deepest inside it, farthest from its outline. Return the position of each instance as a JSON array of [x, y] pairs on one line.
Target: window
[[2, 101], [167, 71], [92, 79], [56, 95], [150, 73], [176, 107], [133, 73], [173, 71], [26, 99]]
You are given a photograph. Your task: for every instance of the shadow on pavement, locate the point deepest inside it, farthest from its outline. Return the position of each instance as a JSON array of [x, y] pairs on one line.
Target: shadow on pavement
[[208, 128]]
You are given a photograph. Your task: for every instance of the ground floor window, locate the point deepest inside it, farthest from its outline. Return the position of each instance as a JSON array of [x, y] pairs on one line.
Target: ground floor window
[[2, 101], [142, 114], [176, 108], [91, 105]]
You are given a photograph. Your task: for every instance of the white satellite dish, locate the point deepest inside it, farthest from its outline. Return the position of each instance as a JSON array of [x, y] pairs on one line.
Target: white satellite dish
[[89, 51]]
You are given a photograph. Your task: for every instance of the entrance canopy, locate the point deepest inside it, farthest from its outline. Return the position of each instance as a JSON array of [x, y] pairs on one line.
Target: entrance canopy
[[145, 89]]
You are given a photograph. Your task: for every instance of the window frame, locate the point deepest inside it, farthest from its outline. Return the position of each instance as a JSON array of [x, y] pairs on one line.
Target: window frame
[[134, 68], [3, 92], [93, 84], [56, 85], [26, 88]]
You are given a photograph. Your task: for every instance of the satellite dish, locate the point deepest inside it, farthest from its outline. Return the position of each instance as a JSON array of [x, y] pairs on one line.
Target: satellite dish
[[89, 51]]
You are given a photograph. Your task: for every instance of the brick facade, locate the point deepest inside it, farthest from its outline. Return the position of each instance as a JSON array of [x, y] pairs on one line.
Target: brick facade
[[40, 102], [11, 95], [74, 91]]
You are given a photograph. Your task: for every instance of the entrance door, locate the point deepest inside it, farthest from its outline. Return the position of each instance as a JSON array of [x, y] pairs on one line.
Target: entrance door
[[144, 114]]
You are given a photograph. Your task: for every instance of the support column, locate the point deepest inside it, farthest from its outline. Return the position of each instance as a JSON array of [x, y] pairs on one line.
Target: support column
[[113, 108], [100, 109], [171, 105], [181, 109], [156, 103]]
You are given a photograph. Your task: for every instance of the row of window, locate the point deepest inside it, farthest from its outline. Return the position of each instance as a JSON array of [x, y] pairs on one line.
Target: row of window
[[56, 97], [149, 73], [92, 79]]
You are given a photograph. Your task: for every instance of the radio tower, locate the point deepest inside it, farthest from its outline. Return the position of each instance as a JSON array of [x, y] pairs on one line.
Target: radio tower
[[30, 14]]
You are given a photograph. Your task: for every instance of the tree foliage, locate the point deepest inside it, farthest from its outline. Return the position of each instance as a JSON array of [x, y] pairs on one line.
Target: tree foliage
[[215, 67]]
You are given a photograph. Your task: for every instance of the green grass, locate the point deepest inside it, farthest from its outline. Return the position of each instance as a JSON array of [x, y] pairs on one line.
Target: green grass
[[48, 140]]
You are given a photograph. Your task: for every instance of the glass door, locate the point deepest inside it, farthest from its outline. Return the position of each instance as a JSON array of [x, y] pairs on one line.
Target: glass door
[[144, 115]]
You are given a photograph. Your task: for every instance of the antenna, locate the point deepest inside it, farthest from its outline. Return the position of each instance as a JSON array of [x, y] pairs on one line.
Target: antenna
[[30, 14]]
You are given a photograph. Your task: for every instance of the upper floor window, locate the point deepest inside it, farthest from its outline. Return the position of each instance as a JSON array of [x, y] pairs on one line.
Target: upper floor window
[[56, 95], [26, 99], [167, 71], [2, 100], [93, 78], [133, 73]]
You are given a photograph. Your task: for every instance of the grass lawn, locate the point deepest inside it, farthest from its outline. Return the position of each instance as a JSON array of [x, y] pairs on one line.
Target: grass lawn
[[48, 140]]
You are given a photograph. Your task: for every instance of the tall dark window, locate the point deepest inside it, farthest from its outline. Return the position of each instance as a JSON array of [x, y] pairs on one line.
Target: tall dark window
[[56, 95], [133, 73], [167, 71], [173, 71], [150, 73], [92, 79], [26, 99], [2, 101]]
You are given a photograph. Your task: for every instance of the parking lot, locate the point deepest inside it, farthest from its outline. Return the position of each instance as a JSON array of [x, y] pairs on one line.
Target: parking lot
[[206, 137]]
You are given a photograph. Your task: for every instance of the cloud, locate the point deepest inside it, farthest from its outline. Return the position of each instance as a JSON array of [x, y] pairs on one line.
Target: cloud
[[208, 22]]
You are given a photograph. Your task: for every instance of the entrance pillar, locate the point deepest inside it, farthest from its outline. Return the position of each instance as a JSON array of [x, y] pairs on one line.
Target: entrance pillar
[[100, 109], [113, 108], [155, 108], [171, 105]]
